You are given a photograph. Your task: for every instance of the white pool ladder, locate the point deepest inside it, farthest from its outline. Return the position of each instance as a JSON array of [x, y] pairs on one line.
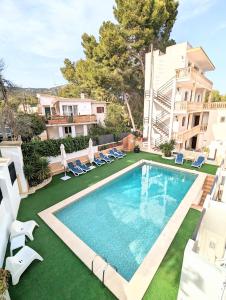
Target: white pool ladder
[[106, 266]]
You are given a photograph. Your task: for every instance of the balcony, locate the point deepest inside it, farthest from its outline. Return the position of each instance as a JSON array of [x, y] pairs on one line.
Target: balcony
[[80, 119], [188, 106], [191, 74], [185, 106]]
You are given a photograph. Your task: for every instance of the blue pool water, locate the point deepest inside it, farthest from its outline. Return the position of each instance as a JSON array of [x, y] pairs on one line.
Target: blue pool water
[[122, 220]]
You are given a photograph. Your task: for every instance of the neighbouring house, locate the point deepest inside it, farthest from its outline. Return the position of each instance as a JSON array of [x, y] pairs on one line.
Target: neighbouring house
[[70, 116], [177, 103], [28, 108]]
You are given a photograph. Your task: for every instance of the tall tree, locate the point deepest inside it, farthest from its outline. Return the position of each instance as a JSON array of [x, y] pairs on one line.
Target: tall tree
[[6, 113], [114, 65], [217, 97]]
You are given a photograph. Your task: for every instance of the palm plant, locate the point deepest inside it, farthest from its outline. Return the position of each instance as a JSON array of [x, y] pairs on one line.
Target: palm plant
[[167, 148]]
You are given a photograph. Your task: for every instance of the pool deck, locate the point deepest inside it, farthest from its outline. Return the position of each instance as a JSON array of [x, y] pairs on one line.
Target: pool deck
[[136, 287]]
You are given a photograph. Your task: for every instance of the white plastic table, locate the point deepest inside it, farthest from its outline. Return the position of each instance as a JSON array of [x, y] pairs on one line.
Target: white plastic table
[[17, 242]]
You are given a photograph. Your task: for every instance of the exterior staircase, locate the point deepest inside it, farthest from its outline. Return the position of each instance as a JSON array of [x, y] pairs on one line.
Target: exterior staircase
[[162, 97], [208, 183]]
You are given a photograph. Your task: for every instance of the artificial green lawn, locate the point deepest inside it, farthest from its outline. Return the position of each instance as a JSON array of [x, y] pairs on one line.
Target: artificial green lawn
[[62, 276]]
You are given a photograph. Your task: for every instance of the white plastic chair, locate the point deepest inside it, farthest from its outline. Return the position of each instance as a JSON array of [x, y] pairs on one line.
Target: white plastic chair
[[18, 263], [26, 228]]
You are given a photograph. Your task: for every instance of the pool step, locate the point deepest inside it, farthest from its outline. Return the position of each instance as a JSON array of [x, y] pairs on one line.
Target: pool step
[[208, 183]]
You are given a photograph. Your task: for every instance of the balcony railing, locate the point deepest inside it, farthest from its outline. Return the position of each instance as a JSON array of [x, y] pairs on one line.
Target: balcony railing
[[188, 106], [203, 127], [183, 136], [195, 106], [214, 105], [56, 120], [190, 73]]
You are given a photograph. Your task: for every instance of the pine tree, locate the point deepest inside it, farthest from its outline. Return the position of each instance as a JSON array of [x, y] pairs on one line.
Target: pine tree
[[114, 64]]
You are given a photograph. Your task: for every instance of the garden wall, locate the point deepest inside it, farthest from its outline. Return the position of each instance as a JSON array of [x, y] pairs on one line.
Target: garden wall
[[9, 202]]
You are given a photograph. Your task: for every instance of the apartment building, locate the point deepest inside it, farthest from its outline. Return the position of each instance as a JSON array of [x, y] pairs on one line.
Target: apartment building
[[70, 116], [177, 102]]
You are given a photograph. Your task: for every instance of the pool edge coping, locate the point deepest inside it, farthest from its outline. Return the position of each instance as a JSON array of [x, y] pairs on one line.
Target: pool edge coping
[[138, 284]]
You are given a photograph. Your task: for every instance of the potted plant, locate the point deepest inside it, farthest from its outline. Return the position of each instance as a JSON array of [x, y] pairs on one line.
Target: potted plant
[[136, 149], [4, 276], [167, 148]]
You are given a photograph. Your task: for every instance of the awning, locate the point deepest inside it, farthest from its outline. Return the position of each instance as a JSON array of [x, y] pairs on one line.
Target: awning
[[199, 57]]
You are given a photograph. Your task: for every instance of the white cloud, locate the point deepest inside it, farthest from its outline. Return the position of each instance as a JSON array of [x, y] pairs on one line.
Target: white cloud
[[49, 28], [189, 9]]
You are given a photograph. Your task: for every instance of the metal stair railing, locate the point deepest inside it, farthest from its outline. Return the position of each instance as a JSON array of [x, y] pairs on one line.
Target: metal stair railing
[[163, 127], [164, 100], [161, 115], [166, 85]]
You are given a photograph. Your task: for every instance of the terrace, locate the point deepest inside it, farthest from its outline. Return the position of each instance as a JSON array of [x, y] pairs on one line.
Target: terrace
[[80, 119], [62, 275]]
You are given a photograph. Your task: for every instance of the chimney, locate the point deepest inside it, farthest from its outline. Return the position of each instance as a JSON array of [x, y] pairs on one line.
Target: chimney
[[82, 95]]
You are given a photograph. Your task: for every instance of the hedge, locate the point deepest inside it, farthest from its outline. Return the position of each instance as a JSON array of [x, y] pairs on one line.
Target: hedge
[[52, 147]]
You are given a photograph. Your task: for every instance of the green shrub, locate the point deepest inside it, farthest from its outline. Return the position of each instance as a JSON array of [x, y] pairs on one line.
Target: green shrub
[[52, 147]]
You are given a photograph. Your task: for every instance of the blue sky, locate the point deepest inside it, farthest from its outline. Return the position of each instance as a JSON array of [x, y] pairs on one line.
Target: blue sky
[[36, 36]]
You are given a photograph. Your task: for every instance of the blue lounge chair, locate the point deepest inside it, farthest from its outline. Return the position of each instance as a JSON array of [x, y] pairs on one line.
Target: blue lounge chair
[[179, 159], [111, 153], [75, 170], [198, 162], [98, 162], [82, 166], [119, 152], [105, 158]]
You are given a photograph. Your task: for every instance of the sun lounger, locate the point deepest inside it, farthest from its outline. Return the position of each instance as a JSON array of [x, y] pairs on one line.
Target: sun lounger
[[119, 152], [26, 228], [84, 167], [105, 158], [75, 170], [198, 162], [179, 159], [98, 162], [18, 263], [111, 153]]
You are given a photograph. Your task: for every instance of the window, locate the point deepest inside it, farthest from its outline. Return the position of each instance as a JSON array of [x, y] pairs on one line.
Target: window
[[75, 110], [100, 109], [186, 96], [198, 98], [183, 121], [12, 172], [1, 196], [47, 111], [70, 110], [67, 130], [222, 119]]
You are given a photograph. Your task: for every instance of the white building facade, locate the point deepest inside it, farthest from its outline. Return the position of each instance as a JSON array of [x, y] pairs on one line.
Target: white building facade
[[70, 116], [177, 102]]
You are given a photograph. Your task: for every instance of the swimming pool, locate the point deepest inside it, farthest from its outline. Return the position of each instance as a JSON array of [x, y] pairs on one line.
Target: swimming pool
[[122, 220], [129, 219]]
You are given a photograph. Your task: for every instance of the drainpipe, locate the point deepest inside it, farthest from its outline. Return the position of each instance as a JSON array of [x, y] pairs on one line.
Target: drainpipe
[[150, 100]]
